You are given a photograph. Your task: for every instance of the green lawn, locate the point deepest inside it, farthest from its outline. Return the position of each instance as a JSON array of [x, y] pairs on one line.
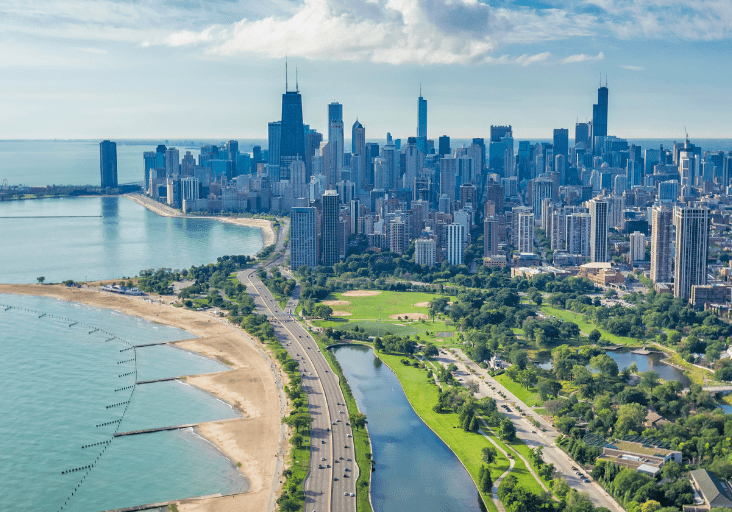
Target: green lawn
[[587, 327], [528, 396], [467, 446], [385, 304], [381, 328]]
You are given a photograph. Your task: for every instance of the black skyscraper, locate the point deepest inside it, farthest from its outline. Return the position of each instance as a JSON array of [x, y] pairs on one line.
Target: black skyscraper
[[444, 146], [108, 163], [599, 114], [292, 143]]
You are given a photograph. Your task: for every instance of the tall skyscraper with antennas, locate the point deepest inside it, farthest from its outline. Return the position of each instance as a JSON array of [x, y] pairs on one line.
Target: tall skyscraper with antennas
[[599, 113], [421, 122], [292, 131]]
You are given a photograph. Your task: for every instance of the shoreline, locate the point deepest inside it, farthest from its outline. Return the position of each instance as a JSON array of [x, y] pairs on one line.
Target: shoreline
[[265, 226], [250, 387]]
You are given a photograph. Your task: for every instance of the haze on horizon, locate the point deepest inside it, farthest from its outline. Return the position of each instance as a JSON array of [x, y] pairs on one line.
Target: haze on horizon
[[136, 70]]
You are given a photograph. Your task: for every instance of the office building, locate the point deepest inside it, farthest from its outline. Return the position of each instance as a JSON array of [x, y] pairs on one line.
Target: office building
[[398, 235], [425, 251], [329, 229], [498, 132], [359, 174], [150, 162], [421, 116], [443, 146], [692, 244], [108, 164], [455, 242], [292, 131], [561, 141], [582, 135], [303, 238], [598, 230], [172, 162], [335, 136], [447, 177], [599, 115], [661, 245], [275, 138]]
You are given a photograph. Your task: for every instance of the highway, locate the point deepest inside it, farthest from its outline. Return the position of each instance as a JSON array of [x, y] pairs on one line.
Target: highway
[[526, 431], [333, 472]]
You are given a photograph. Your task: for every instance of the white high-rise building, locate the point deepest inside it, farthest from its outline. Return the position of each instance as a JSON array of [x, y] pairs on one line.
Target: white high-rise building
[[661, 245], [190, 189], [637, 246], [692, 244], [578, 233], [425, 251], [172, 161], [526, 232], [598, 230], [455, 241], [303, 238]]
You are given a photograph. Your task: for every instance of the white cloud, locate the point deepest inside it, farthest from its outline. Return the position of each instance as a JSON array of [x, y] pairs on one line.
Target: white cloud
[[526, 60], [582, 58], [632, 68]]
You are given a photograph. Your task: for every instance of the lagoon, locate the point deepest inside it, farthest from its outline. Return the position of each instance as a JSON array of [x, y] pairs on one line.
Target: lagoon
[[415, 470]]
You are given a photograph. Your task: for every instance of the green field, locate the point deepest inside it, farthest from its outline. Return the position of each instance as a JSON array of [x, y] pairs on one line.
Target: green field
[[528, 396], [371, 314], [466, 445], [587, 327]]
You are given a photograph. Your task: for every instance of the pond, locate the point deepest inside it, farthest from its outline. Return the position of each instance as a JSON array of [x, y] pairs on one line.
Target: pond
[[415, 470]]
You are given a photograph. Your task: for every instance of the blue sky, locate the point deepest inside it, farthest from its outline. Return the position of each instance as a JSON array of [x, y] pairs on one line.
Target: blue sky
[[201, 69]]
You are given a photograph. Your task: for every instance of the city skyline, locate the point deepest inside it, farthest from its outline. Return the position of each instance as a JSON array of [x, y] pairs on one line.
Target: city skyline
[[87, 73]]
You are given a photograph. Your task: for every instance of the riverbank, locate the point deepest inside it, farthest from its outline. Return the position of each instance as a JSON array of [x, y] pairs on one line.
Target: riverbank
[[250, 387], [265, 226]]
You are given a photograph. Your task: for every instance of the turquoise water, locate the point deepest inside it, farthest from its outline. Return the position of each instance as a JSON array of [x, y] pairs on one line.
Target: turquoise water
[[66, 385], [415, 470], [126, 238]]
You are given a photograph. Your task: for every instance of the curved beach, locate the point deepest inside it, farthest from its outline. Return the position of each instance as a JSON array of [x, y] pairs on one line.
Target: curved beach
[[250, 387], [265, 226]]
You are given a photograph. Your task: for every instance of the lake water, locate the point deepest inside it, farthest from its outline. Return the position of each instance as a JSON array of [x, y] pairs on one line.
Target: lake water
[[415, 470], [625, 358], [118, 240], [66, 385]]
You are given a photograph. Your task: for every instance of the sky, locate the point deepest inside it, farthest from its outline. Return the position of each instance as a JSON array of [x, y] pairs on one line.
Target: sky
[[163, 69]]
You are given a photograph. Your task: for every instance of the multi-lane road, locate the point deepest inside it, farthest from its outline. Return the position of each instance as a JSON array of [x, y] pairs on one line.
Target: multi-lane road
[[331, 483]]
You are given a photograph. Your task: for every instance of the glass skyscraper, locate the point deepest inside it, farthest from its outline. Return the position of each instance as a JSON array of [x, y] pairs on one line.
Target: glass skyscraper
[[292, 138], [108, 163]]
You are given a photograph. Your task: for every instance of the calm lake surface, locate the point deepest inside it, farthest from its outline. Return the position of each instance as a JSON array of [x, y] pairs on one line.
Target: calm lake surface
[[68, 386], [415, 470], [116, 238]]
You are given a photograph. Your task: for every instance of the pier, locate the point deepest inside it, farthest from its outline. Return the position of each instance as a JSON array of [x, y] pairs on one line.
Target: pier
[[152, 430], [151, 344], [156, 380]]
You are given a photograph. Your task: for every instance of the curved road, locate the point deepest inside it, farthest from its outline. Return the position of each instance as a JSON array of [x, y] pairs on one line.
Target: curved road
[[333, 472]]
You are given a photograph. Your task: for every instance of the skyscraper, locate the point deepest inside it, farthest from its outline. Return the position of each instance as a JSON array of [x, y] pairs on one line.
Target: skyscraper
[[598, 230], [525, 235], [108, 163], [599, 114], [421, 116], [490, 236], [444, 146], [149, 158], [455, 240], [329, 229], [303, 246], [274, 139], [292, 139], [578, 229], [561, 141], [358, 155], [692, 244], [582, 135], [335, 136], [172, 161]]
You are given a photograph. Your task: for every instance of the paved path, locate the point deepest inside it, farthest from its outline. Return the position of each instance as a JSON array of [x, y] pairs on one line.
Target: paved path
[[525, 430]]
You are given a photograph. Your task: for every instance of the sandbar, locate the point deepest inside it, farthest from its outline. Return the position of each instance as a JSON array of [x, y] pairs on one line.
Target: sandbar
[[265, 226], [250, 387]]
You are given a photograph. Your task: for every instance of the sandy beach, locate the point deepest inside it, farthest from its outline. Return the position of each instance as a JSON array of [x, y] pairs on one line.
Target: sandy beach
[[265, 226], [250, 387]]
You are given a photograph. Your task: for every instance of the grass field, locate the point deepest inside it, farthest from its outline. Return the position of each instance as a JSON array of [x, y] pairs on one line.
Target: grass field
[[587, 327], [466, 445], [528, 396], [371, 314]]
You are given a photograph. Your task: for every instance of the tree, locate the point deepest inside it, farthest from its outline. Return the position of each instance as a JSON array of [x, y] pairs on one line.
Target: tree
[[507, 430], [649, 379], [605, 364], [630, 418], [595, 336], [357, 420], [323, 311], [488, 455], [430, 350], [40, 279], [297, 441], [486, 482]]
